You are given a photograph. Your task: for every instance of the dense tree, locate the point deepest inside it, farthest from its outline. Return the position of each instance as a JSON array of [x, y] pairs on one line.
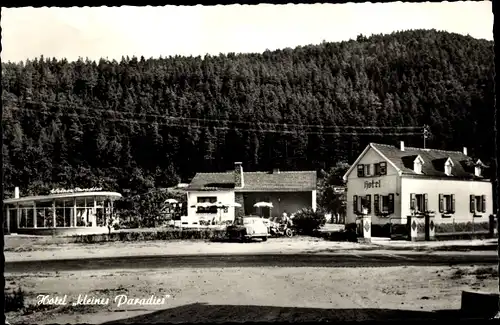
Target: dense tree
[[139, 124], [329, 197]]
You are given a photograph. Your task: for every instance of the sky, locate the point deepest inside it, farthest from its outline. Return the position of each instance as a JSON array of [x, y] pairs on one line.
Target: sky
[[172, 30]]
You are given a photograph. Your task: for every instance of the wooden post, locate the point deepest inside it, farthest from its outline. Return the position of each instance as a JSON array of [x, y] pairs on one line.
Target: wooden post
[[491, 228], [93, 218], [313, 201], [17, 216], [54, 213], [34, 215], [75, 221], [7, 215], [111, 212]]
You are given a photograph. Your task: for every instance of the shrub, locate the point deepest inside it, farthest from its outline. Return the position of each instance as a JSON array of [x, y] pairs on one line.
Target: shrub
[[14, 301], [129, 224], [306, 221], [399, 231], [350, 227], [443, 228], [167, 234], [381, 230]]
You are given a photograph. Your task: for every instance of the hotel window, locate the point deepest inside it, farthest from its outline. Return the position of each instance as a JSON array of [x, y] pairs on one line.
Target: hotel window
[[477, 203], [361, 170], [383, 204], [207, 199], [383, 168], [417, 167], [380, 169], [447, 167], [360, 202], [418, 202], [446, 203], [368, 170]]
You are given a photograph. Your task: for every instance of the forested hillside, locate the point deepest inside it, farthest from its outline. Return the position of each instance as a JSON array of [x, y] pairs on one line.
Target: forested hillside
[[143, 123]]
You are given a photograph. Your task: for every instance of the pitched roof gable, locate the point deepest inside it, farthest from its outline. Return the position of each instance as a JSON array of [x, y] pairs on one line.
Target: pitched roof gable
[[285, 181], [368, 147], [434, 160]]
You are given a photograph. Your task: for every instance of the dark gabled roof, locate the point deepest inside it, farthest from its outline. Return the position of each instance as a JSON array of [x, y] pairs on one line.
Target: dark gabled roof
[[286, 181], [434, 160], [409, 160]]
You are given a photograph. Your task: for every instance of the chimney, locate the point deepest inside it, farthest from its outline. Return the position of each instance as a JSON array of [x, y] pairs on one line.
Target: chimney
[[465, 151], [402, 145], [238, 175], [276, 170], [16, 192]]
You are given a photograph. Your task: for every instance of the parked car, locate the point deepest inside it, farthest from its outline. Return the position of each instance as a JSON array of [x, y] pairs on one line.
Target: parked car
[[248, 228]]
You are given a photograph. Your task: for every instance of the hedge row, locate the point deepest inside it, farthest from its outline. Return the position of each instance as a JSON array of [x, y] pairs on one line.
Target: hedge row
[[170, 234], [15, 300], [386, 230], [443, 228], [339, 236]]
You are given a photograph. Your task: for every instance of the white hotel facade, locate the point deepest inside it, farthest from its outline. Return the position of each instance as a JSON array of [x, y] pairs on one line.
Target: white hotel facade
[[392, 183]]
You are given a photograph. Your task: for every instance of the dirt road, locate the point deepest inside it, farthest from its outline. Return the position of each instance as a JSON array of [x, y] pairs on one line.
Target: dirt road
[[32, 249], [339, 259], [253, 294]]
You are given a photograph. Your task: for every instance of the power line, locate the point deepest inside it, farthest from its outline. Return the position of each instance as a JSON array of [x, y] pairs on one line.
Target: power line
[[195, 119], [170, 124]]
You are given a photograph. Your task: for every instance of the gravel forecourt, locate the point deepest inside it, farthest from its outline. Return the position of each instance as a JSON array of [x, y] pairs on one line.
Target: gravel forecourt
[[251, 294]]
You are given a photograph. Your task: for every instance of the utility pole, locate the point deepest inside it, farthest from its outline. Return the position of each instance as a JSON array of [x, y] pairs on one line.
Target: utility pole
[[426, 133]]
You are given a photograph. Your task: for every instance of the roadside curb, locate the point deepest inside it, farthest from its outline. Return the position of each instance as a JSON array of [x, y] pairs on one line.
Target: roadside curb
[[455, 248], [312, 254]]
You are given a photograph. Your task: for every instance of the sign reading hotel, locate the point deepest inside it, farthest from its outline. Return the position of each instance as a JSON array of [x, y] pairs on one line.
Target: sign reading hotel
[[373, 184], [75, 190]]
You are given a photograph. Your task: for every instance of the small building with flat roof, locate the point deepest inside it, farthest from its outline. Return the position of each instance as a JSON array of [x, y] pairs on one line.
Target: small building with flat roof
[[62, 212]]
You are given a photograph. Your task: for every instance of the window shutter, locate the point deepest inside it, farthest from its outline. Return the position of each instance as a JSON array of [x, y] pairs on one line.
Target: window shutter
[[441, 203], [391, 203], [376, 204], [383, 168], [483, 203], [426, 205], [472, 205], [412, 201], [355, 204], [369, 203], [361, 170], [452, 203]]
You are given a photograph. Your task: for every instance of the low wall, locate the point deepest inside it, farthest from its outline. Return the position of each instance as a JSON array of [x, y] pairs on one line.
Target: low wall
[[62, 231], [444, 231]]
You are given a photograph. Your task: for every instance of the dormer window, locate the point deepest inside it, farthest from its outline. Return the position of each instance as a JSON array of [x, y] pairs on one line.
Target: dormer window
[[417, 165], [448, 166], [478, 168]]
